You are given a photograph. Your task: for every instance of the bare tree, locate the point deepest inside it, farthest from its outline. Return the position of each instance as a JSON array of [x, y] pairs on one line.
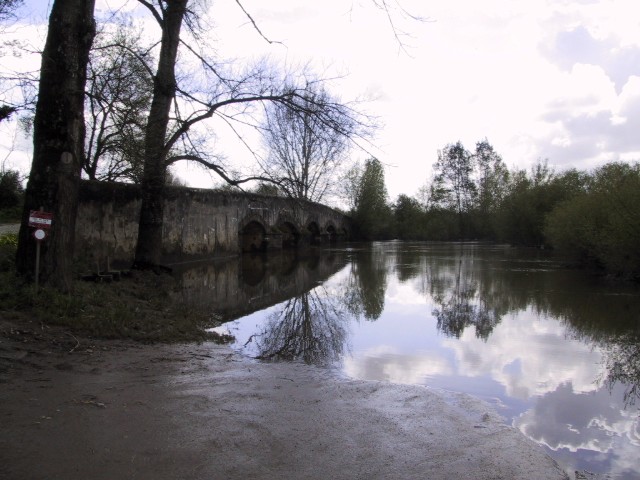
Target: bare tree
[[117, 101], [59, 127], [307, 146], [180, 104]]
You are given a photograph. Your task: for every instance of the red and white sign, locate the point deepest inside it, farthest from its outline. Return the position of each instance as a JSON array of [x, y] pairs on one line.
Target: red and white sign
[[40, 219]]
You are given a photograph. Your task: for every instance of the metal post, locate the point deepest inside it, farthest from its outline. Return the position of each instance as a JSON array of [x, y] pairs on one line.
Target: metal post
[[37, 263]]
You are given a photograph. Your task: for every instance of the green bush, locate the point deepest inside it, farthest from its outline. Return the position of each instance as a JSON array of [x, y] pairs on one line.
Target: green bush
[[8, 245], [603, 225]]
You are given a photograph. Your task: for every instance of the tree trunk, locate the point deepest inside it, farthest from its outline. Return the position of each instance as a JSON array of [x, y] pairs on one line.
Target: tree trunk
[[149, 245], [58, 139]]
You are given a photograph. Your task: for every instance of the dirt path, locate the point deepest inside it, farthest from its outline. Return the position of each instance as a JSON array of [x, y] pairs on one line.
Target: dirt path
[[113, 410]]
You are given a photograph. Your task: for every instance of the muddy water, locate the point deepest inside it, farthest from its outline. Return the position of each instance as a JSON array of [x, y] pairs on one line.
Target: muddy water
[[556, 351]]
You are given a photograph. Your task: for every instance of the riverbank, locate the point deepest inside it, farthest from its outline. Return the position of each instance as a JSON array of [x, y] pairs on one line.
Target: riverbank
[[74, 408]]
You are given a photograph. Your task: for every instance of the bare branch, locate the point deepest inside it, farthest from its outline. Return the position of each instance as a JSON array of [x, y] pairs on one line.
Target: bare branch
[[400, 35], [186, 125], [207, 64], [255, 25], [220, 170], [153, 11]]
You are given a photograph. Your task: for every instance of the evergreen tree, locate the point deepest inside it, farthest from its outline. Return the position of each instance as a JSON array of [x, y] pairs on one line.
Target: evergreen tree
[[372, 214]]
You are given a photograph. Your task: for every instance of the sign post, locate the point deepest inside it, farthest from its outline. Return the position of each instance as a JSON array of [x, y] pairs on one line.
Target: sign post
[[41, 221]]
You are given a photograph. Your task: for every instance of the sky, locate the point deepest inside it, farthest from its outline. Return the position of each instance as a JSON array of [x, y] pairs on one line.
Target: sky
[[545, 79]]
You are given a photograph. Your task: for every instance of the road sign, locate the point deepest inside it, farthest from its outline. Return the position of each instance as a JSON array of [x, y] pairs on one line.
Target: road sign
[[39, 219], [39, 234]]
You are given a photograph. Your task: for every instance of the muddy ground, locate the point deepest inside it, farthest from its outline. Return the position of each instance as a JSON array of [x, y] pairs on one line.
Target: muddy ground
[[73, 408]]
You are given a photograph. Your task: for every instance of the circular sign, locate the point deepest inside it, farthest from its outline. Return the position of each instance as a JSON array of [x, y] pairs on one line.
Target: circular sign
[[39, 234]]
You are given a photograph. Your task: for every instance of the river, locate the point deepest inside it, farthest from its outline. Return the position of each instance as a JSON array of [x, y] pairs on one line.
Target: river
[[556, 351]]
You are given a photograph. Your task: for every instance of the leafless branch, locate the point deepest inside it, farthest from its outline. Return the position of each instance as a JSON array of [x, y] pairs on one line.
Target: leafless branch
[[255, 25], [153, 10], [389, 8], [219, 169]]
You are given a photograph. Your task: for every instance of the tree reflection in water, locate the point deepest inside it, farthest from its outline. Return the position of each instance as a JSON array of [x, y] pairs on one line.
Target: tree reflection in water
[[460, 306], [365, 288], [309, 327], [467, 294], [622, 360]]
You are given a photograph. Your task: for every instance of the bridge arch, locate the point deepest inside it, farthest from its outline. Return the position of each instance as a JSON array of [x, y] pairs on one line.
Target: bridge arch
[[332, 233], [290, 231], [253, 235], [313, 231]]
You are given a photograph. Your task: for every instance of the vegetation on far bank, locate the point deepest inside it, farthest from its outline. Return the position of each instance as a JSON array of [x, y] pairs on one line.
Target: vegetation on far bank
[[592, 217]]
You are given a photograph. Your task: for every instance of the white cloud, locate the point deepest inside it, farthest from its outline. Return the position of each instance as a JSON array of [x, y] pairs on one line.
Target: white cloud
[[565, 419], [386, 364], [522, 354]]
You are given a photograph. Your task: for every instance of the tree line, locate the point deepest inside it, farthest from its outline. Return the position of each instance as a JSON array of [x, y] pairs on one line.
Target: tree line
[[593, 216]]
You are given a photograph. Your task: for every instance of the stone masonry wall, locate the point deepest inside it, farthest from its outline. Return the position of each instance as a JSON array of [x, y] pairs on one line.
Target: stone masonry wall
[[197, 223]]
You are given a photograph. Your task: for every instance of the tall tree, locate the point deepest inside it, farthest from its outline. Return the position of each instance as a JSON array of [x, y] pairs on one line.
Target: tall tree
[[304, 150], [372, 213], [58, 140], [454, 178], [349, 186], [453, 186], [492, 176], [491, 185], [170, 18]]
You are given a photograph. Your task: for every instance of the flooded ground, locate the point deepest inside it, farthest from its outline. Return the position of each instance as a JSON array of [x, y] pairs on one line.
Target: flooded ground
[[74, 408], [556, 351]]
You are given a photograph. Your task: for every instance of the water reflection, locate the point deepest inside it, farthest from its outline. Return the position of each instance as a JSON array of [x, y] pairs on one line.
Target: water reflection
[[309, 327], [365, 287], [459, 305], [557, 351], [233, 287], [623, 366]]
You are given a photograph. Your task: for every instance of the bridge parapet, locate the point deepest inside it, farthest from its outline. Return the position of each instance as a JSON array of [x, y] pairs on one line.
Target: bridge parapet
[[201, 223]]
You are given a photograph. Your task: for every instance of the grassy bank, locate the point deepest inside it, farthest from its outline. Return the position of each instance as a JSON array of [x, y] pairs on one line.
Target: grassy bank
[[144, 306]]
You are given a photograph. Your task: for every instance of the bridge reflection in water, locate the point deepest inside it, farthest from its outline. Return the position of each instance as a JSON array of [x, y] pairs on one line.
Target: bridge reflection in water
[[238, 286]]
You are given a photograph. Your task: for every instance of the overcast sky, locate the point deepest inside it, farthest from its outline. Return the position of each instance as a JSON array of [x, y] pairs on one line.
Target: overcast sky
[[540, 79]]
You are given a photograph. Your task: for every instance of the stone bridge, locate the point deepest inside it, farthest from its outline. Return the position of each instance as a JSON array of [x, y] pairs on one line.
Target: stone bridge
[[201, 223]]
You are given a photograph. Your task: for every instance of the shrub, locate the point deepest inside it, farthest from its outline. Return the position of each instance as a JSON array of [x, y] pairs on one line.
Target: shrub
[[602, 225]]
